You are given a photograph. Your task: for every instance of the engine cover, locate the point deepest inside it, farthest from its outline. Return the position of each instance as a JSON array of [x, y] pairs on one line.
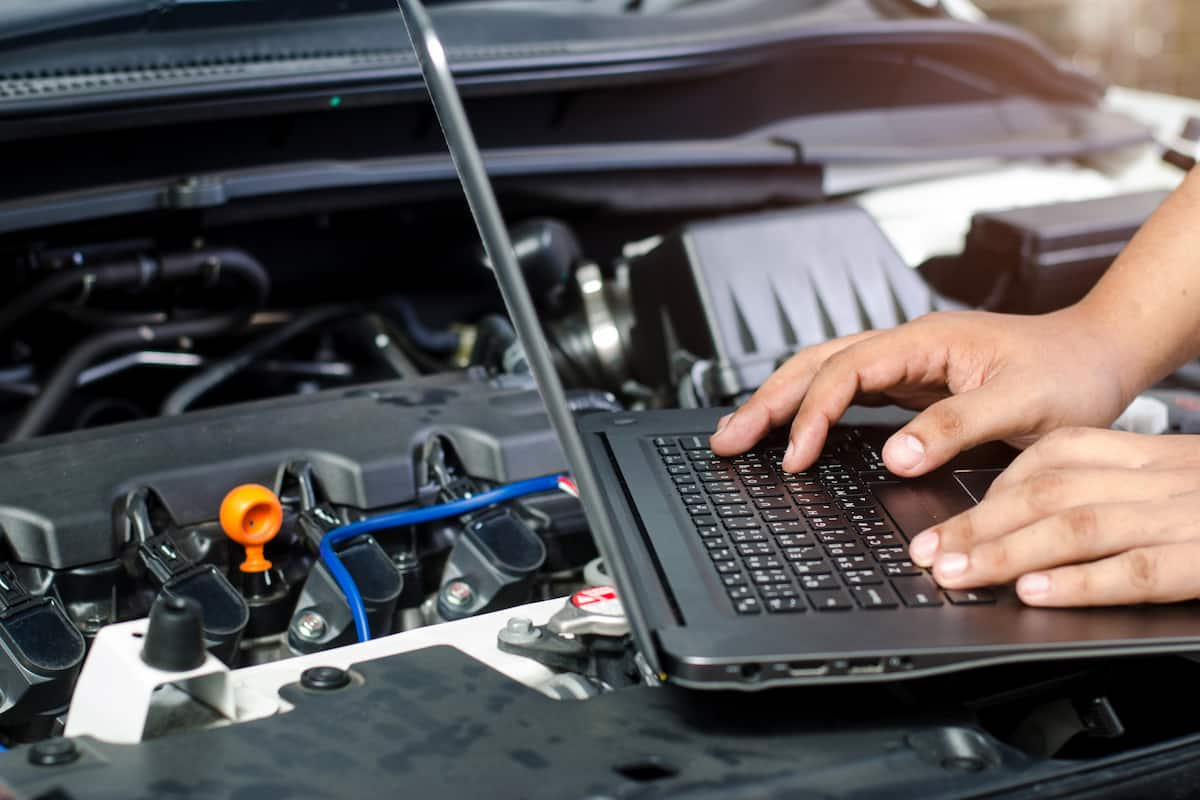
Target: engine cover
[[59, 494]]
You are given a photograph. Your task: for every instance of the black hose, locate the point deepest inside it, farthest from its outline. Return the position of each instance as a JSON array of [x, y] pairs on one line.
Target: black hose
[[216, 263], [193, 388], [138, 272], [60, 384], [420, 334], [106, 276]]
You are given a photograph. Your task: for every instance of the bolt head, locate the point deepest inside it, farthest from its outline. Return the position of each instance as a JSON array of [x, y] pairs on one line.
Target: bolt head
[[311, 625], [53, 752], [459, 593]]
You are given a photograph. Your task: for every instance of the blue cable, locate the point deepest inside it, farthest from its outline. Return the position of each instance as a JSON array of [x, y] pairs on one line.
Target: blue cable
[[414, 516]]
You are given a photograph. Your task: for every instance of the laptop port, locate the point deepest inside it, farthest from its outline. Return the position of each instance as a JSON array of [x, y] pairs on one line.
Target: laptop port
[[751, 672], [807, 669], [866, 666]]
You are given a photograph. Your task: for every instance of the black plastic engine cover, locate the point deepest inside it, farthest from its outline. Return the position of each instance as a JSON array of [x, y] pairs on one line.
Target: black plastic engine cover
[[59, 494]]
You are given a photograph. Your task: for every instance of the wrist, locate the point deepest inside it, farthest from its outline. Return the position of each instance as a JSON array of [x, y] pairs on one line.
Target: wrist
[[1106, 340]]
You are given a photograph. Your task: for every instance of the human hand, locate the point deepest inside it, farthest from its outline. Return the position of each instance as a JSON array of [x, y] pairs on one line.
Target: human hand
[[978, 376], [1085, 517]]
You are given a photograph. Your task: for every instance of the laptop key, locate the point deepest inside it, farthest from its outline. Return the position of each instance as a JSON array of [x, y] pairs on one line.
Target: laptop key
[[795, 540], [699, 509], [762, 576], [785, 605], [918, 592], [708, 531], [739, 592], [748, 605], [714, 544], [716, 476], [862, 577], [902, 569], [673, 460], [787, 526], [837, 537], [726, 498], [771, 502], [694, 442], [820, 510], [873, 597], [810, 553], [678, 469], [863, 515], [726, 512], [885, 555], [758, 492], [703, 454], [970, 597], [720, 487], [742, 524], [845, 549], [823, 580], [729, 579], [811, 498], [753, 563], [777, 590], [827, 523], [780, 514], [755, 549], [811, 568], [883, 540], [830, 600], [846, 563], [747, 537], [688, 489], [727, 567], [721, 553], [855, 502]]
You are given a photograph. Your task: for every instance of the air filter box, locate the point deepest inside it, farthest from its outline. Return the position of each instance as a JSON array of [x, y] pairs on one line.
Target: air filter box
[[747, 291]]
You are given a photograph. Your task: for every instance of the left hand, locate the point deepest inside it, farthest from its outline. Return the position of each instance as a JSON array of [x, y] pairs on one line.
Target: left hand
[[1085, 517]]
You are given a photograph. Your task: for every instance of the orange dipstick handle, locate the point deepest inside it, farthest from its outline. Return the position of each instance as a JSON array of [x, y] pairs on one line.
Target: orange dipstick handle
[[251, 515]]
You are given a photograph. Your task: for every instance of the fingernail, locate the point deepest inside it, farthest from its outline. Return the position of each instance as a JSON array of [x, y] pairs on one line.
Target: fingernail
[[787, 456], [904, 451], [923, 548], [951, 565], [1033, 585], [722, 422]]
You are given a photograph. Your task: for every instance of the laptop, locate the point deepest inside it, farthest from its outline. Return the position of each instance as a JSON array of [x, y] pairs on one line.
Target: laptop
[[736, 575]]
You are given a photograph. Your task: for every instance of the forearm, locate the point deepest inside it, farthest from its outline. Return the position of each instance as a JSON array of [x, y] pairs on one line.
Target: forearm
[[1147, 306]]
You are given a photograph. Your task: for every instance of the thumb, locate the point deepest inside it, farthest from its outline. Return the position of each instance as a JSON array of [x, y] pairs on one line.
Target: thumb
[[950, 426]]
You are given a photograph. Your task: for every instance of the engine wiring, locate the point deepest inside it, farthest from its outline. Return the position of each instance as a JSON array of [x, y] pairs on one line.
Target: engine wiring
[[415, 516]]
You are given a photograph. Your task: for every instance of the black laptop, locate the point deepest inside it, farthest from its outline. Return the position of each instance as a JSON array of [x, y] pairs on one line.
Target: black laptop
[[735, 574]]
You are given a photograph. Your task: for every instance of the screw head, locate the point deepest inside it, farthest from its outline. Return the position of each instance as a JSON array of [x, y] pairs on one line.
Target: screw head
[[53, 752], [324, 679], [311, 626], [519, 631], [458, 593]]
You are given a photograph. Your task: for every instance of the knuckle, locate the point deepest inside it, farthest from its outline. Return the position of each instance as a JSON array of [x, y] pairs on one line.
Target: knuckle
[[958, 533], [1141, 568], [1079, 523], [947, 421], [1044, 490]]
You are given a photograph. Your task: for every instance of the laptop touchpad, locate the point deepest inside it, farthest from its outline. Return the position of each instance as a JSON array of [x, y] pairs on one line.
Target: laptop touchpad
[[915, 507]]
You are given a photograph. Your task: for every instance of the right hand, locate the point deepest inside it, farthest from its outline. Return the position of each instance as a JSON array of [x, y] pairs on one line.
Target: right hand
[[975, 376]]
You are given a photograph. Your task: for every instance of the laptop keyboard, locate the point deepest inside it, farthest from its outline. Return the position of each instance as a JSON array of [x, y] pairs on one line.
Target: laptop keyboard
[[785, 543]]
